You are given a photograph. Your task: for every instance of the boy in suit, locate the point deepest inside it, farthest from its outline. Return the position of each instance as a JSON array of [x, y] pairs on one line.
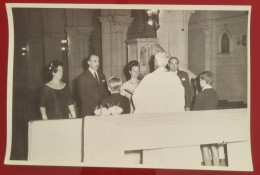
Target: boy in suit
[[116, 99], [207, 99]]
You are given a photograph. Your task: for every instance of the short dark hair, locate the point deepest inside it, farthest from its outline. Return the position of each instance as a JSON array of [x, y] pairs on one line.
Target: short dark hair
[[175, 58], [132, 64], [207, 76], [53, 66]]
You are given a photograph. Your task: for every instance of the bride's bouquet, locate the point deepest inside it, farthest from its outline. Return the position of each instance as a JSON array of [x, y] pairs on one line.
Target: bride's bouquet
[[103, 111]]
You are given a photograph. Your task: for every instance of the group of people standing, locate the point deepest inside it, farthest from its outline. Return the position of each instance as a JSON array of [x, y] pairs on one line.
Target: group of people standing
[[166, 89]]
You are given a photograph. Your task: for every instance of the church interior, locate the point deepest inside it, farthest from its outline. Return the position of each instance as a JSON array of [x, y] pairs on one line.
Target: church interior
[[202, 40]]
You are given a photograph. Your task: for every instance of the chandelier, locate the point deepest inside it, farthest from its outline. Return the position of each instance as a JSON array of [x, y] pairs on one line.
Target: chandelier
[[153, 18]]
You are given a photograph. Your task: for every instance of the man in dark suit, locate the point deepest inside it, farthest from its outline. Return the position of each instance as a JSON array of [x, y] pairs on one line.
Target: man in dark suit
[[92, 87], [173, 66]]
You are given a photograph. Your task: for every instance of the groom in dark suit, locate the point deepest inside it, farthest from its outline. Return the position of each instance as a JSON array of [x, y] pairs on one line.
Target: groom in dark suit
[[92, 87], [173, 66]]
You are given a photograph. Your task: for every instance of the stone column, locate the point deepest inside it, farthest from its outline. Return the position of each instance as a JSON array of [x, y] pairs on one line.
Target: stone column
[[114, 34], [209, 28], [78, 44], [207, 32], [173, 33]]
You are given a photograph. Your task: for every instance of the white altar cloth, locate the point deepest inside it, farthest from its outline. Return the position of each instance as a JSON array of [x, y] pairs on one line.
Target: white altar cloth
[[163, 140], [55, 140], [108, 137]]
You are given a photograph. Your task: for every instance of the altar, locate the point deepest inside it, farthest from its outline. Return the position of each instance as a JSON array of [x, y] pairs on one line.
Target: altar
[[142, 140]]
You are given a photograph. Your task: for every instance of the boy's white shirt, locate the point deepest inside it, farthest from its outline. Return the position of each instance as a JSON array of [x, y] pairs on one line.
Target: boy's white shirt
[[207, 86]]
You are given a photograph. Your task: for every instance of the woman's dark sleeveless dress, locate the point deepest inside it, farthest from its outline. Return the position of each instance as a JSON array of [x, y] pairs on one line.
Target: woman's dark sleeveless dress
[[56, 102]]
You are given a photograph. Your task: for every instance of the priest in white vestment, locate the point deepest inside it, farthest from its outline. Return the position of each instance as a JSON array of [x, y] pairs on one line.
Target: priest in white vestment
[[160, 91]]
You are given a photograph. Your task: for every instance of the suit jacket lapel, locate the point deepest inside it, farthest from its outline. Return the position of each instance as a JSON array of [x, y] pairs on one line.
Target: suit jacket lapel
[[92, 77], [178, 73], [90, 74], [180, 76]]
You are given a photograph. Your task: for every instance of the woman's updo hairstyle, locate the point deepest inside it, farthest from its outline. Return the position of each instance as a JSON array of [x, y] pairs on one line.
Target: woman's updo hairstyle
[[53, 66], [132, 64]]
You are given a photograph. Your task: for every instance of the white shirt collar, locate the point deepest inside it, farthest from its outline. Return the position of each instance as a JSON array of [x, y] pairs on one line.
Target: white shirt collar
[[92, 71], [175, 72], [207, 86]]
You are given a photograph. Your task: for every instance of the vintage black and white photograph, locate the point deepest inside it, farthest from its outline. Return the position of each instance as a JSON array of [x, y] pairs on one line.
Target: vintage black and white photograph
[[138, 86]]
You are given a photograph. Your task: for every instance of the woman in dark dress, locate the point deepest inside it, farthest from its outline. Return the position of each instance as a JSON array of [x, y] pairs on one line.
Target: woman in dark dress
[[207, 99], [55, 98]]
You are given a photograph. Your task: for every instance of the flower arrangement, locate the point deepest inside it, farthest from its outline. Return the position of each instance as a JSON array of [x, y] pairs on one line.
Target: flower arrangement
[[103, 111]]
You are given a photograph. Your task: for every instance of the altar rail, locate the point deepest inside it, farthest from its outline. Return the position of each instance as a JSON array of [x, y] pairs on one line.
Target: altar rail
[[164, 140]]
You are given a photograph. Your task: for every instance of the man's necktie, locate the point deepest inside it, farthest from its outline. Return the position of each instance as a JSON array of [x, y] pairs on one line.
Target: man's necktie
[[96, 77]]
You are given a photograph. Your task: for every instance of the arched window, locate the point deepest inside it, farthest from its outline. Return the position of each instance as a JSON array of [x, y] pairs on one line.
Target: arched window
[[225, 45]]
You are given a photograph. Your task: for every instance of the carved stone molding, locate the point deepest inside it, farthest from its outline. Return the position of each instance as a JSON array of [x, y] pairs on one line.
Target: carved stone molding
[[132, 52], [142, 40], [121, 23], [141, 49], [103, 19], [114, 33], [79, 32], [220, 22]]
